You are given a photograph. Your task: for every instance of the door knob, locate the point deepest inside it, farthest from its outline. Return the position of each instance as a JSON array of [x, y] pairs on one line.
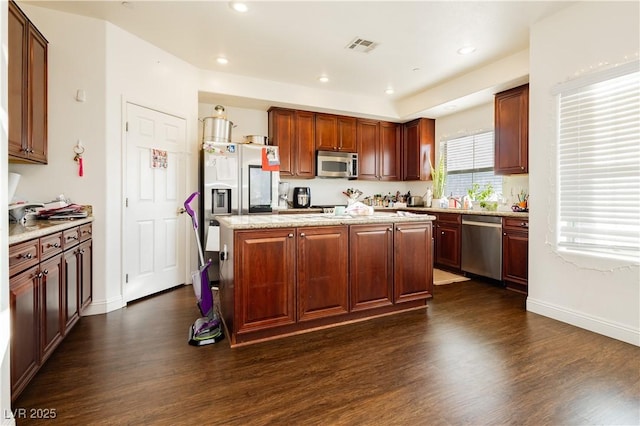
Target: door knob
[[181, 210]]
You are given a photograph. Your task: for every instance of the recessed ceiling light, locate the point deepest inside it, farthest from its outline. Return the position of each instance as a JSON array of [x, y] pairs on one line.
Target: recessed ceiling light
[[323, 79], [238, 6], [389, 91], [222, 60], [465, 50]]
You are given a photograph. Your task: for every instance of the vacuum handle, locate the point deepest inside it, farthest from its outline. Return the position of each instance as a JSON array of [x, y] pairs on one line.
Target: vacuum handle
[[189, 210]]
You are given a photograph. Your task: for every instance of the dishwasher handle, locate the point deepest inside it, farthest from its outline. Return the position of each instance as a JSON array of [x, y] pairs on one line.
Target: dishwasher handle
[[486, 224]]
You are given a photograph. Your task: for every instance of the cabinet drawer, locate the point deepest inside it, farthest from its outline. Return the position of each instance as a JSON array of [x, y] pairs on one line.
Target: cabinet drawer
[[23, 256], [515, 224], [449, 217], [85, 232], [70, 238], [50, 245]]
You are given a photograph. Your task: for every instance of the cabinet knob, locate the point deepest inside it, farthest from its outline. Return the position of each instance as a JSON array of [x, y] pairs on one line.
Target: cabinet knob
[[82, 251], [302, 234], [524, 225], [504, 233], [290, 235], [26, 256], [521, 167], [46, 272], [389, 229], [442, 233]]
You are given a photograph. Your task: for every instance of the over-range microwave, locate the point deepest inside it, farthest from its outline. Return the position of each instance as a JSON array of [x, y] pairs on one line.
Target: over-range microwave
[[331, 164]]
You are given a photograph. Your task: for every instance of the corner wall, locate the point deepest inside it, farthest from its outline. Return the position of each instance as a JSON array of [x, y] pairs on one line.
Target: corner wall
[[598, 295]]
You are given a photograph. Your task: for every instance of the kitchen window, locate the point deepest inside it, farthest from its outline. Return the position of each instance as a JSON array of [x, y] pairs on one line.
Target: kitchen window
[[469, 160], [598, 164]]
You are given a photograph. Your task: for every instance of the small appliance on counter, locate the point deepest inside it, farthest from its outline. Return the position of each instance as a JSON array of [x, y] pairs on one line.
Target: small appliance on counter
[[283, 195], [301, 197]]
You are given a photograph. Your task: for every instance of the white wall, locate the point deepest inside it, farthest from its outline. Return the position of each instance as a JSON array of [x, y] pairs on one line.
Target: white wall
[[599, 295]]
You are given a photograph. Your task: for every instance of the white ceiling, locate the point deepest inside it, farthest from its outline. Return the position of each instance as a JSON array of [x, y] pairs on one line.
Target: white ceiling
[[297, 41]]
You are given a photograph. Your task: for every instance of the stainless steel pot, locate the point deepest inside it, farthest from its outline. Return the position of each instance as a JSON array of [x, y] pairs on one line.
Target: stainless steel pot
[[216, 129]]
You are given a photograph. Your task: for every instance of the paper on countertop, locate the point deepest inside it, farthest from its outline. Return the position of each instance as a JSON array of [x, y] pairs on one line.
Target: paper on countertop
[[213, 239], [359, 208]]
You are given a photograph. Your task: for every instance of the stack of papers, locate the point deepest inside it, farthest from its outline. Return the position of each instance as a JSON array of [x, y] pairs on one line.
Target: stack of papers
[[70, 211]]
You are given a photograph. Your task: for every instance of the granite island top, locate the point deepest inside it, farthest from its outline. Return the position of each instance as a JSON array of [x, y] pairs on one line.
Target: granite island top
[[37, 228], [421, 210], [266, 221]]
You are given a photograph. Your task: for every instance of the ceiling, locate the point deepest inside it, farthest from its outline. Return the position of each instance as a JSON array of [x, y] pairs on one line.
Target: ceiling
[[298, 41]]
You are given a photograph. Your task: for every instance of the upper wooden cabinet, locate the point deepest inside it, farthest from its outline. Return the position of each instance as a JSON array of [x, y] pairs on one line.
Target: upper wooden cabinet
[[378, 146], [512, 131], [335, 133], [294, 133], [418, 146], [27, 90]]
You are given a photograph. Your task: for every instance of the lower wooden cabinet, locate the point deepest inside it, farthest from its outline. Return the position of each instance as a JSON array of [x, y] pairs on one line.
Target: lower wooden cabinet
[[47, 278], [287, 280], [447, 235], [515, 253]]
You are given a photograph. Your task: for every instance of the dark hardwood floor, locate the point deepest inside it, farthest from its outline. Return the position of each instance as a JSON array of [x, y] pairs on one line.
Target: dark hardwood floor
[[474, 357]]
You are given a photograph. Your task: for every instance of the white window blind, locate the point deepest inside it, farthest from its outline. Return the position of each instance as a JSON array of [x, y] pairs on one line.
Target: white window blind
[[469, 160], [599, 165]]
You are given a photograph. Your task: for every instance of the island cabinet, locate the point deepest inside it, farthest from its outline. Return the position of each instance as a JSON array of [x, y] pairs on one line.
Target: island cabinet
[[293, 132], [46, 280], [512, 131], [418, 149], [283, 281], [447, 235], [379, 153], [335, 133], [515, 253], [27, 89]]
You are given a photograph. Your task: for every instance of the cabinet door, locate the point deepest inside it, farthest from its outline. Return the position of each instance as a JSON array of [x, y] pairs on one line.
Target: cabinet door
[[389, 153], [282, 134], [447, 245], [515, 260], [85, 253], [346, 134], [413, 262], [25, 331], [368, 136], [326, 132], [322, 272], [418, 146], [305, 155], [17, 89], [71, 274], [264, 271], [52, 291], [371, 266], [37, 97], [512, 131]]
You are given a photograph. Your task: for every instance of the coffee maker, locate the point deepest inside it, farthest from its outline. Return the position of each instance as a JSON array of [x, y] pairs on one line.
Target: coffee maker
[[301, 197]]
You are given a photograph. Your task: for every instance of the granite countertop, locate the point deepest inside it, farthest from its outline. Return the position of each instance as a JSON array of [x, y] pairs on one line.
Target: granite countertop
[[38, 228], [420, 210], [260, 221]]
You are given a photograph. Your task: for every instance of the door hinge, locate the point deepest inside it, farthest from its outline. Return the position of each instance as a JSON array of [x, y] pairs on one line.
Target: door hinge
[[126, 126], [126, 202], [126, 278]]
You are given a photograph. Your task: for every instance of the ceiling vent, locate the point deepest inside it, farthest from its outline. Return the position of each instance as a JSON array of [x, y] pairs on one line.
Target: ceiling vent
[[361, 45]]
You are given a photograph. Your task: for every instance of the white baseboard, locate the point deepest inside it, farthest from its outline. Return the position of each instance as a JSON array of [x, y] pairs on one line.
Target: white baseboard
[[98, 307], [582, 320]]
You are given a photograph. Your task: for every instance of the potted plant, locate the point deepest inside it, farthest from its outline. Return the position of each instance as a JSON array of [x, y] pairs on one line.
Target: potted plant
[[483, 196], [439, 178]]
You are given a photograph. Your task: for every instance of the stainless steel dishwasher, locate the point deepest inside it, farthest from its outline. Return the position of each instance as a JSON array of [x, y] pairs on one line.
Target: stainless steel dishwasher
[[482, 245]]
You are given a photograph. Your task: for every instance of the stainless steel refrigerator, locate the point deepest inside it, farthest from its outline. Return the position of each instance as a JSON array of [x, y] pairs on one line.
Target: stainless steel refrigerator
[[235, 179]]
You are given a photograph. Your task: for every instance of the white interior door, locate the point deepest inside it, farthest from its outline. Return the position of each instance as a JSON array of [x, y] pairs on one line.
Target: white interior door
[[154, 240]]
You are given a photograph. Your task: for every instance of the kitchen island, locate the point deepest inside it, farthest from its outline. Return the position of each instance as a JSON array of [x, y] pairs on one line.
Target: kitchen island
[[286, 274]]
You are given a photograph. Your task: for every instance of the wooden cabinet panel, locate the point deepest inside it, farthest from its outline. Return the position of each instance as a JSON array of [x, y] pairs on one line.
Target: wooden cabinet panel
[[71, 273], [25, 331], [412, 266], [447, 240], [371, 266], [389, 152], [322, 272], [50, 245], [264, 273], [27, 94], [85, 264], [368, 146], [335, 133], [418, 146], [512, 131], [52, 292], [294, 134], [23, 256], [515, 253]]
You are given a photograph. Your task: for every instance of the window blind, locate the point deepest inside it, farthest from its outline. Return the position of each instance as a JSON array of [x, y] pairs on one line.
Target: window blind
[[469, 159], [599, 166]]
